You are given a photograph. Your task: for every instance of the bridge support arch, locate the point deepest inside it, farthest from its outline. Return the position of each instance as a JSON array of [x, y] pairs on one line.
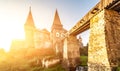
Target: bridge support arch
[[104, 41]]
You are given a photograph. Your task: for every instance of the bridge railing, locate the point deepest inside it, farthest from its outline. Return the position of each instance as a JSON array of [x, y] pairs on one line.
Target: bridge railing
[[83, 24], [105, 3], [84, 20]]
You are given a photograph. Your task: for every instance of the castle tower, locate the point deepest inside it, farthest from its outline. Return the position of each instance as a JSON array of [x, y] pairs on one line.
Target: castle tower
[[29, 28], [56, 23], [57, 33]]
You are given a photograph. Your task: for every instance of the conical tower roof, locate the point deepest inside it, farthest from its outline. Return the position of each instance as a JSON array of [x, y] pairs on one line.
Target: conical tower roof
[[56, 22], [30, 21]]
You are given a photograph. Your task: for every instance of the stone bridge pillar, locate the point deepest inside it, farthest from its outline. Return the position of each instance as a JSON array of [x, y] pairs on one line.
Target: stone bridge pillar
[[71, 53], [104, 42]]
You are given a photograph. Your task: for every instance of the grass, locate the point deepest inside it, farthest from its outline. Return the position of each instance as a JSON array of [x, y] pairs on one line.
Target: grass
[[84, 60]]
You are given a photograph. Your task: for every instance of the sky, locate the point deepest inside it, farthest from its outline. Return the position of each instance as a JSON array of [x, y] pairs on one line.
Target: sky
[[13, 14]]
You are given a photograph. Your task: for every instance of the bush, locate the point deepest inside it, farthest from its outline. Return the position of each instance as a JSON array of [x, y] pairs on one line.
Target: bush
[[56, 68], [118, 69], [83, 60]]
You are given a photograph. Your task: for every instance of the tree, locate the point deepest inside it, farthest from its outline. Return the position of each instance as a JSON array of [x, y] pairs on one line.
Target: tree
[[84, 50]]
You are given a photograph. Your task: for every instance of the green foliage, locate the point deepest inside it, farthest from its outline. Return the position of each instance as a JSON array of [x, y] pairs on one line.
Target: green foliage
[[36, 69], [27, 60], [83, 60], [56, 68], [118, 69], [84, 51], [13, 64]]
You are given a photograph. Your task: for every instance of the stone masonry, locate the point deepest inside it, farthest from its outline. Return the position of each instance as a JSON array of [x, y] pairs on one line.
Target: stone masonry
[[71, 53], [112, 29], [104, 41]]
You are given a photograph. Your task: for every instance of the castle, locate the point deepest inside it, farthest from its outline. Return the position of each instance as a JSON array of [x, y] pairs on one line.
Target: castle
[[67, 49], [35, 38]]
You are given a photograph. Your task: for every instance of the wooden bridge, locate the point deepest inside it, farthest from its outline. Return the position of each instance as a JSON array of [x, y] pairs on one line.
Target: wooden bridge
[[84, 23], [103, 20]]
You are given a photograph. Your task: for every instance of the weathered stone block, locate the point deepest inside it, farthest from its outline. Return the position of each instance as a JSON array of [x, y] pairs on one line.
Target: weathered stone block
[[104, 42], [71, 53], [112, 29]]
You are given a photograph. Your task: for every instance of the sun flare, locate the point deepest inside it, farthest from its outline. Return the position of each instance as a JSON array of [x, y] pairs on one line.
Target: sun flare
[[9, 34]]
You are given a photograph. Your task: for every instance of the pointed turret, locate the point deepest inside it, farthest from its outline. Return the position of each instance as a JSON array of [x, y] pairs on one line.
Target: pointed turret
[[56, 23], [29, 28], [30, 21], [57, 35]]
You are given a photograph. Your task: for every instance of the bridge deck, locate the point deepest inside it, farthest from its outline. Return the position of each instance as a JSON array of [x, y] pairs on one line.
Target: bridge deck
[[84, 23]]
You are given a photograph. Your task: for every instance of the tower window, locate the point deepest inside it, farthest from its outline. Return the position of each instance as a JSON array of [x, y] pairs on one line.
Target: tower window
[[57, 34]]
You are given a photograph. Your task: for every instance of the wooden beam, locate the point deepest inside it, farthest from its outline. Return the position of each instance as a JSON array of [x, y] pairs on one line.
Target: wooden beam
[[83, 24]]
